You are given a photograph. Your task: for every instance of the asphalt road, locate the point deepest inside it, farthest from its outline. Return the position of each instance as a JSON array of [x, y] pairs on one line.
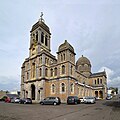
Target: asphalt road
[[102, 110]]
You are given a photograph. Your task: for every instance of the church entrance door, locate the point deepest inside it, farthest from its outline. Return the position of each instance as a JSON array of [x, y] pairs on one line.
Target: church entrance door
[[96, 94], [33, 91], [101, 94]]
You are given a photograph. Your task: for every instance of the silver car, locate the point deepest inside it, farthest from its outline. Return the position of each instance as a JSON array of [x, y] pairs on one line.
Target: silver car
[[89, 99]]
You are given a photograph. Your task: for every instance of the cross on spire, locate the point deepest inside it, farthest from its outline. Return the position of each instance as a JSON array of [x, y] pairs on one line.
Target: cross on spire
[[41, 17]]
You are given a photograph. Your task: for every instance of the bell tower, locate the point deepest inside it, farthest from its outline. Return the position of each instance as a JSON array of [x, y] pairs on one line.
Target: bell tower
[[39, 37]]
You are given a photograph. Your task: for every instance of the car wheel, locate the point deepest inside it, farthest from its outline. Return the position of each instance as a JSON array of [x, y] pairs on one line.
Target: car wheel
[[24, 102], [54, 103], [42, 103], [75, 103]]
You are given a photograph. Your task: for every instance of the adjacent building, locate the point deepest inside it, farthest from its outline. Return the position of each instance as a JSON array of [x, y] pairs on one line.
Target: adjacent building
[[45, 75]]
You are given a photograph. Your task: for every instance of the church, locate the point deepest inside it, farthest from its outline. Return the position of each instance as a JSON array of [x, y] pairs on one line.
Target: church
[[44, 75]]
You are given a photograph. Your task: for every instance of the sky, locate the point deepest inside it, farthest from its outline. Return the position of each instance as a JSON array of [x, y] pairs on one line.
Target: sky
[[92, 27]]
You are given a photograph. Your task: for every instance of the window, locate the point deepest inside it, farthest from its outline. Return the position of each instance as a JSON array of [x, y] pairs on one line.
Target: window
[[55, 71], [36, 36], [63, 69], [72, 87], [45, 60], [27, 75], [33, 70], [98, 80], [40, 72], [46, 72], [64, 56], [46, 40], [95, 81], [71, 69], [42, 37], [61, 58], [23, 79], [70, 57], [53, 88], [62, 87], [51, 72]]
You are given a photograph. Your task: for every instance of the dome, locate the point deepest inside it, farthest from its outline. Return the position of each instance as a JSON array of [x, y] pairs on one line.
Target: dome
[[65, 46], [82, 61], [83, 65]]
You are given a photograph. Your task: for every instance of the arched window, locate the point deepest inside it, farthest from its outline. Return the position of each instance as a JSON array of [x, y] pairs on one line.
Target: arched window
[[98, 80], [46, 40], [40, 72], [71, 69], [55, 71], [72, 87], [70, 57], [51, 71], [95, 81], [42, 37], [33, 70], [36, 36], [46, 72], [27, 75], [41, 60], [45, 60], [61, 58], [53, 88], [63, 87], [64, 56], [63, 69]]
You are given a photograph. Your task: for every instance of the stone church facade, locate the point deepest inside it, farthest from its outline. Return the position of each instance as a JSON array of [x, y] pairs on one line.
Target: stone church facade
[[44, 75]]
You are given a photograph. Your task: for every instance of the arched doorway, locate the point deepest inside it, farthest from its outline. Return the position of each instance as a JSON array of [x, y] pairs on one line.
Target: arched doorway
[[101, 94], [96, 94], [33, 92]]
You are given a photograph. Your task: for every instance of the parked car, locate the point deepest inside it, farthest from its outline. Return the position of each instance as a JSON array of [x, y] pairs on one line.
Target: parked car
[[89, 99], [3, 98], [82, 99], [15, 100], [51, 101], [7, 100], [73, 100], [25, 101], [109, 97]]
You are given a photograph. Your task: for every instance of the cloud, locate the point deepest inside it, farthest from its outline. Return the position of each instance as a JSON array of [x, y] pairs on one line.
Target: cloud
[[113, 81], [9, 83]]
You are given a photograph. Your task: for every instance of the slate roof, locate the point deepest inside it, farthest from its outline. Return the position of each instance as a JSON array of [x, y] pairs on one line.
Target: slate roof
[[99, 74]]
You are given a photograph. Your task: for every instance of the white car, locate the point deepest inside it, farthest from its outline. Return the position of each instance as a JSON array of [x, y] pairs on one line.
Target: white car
[[89, 99], [82, 99], [16, 100]]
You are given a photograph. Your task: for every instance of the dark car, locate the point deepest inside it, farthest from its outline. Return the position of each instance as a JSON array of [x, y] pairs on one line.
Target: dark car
[[73, 100], [25, 101], [51, 101]]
